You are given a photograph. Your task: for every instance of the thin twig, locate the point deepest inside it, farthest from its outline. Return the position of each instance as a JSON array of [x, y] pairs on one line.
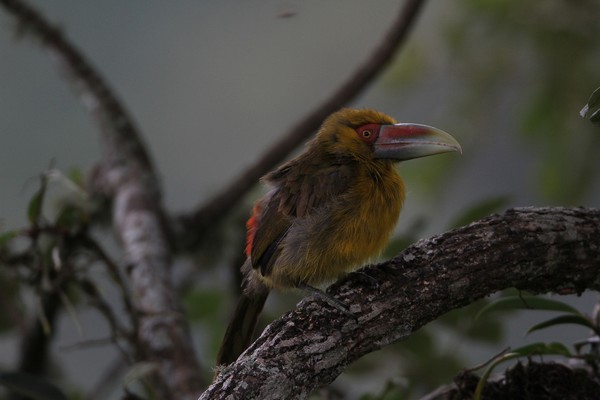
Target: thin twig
[[487, 362], [115, 274], [102, 306]]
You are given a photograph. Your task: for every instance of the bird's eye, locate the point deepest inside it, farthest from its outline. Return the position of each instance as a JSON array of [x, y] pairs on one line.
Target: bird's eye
[[367, 133]]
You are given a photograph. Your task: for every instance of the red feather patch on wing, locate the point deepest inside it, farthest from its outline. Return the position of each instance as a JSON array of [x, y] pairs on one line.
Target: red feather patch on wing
[[251, 226]]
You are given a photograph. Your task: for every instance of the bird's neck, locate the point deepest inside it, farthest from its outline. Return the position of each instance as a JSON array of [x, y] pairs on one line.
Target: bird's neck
[[381, 177], [373, 202]]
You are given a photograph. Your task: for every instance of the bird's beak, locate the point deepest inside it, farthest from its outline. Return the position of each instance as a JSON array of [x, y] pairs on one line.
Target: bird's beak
[[407, 141]]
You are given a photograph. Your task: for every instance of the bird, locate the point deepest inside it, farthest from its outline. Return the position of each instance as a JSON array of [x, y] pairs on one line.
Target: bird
[[327, 211]]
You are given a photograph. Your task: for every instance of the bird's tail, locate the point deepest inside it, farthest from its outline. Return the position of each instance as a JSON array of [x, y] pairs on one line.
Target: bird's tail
[[242, 325]]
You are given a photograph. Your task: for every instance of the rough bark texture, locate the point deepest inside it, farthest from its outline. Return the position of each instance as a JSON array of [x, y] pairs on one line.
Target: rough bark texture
[[535, 249]]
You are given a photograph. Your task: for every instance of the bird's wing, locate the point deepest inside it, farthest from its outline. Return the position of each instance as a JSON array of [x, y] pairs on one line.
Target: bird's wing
[[300, 187], [307, 184]]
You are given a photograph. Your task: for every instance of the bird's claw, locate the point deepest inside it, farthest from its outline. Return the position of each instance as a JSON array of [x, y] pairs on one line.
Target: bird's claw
[[373, 282], [332, 301]]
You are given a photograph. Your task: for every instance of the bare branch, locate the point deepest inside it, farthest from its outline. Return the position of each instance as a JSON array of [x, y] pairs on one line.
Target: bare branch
[[115, 274], [535, 249], [221, 204], [127, 176]]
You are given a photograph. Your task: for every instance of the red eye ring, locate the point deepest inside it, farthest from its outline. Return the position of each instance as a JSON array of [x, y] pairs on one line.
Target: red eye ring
[[368, 132]]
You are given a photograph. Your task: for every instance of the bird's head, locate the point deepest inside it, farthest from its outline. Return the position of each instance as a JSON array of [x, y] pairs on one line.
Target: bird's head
[[371, 135]]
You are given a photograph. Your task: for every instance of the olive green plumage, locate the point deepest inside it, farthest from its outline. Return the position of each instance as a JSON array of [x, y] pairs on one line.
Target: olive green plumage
[[328, 211]]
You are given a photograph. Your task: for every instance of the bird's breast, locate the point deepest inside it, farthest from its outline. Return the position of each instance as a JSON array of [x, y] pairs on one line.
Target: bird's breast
[[345, 233]]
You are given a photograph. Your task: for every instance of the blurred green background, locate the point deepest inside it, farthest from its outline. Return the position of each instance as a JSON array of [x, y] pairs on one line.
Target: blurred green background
[[211, 84]]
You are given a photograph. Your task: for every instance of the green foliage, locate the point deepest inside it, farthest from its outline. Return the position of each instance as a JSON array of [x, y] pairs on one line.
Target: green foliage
[[73, 212], [525, 351], [426, 363], [49, 256], [6, 237], [592, 109], [576, 319], [71, 216], [77, 178], [512, 303], [573, 317], [423, 364]]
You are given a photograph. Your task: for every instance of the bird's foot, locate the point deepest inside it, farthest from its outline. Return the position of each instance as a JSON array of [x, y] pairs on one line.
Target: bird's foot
[[369, 280], [332, 301]]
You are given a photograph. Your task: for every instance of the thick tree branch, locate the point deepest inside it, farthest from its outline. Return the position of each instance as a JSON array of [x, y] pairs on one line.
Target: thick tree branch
[[127, 176], [535, 249], [221, 204]]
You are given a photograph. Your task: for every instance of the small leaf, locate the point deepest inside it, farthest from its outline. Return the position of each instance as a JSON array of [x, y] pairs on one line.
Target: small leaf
[[77, 176], [564, 319], [6, 237], [526, 303], [593, 102], [556, 348], [71, 216], [539, 348], [528, 350], [595, 117], [592, 109], [31, 386], [66, 181], [488, 371]]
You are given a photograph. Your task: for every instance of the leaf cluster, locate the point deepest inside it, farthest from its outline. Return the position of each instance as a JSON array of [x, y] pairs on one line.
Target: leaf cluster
[[51, 258], [569, 316]]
